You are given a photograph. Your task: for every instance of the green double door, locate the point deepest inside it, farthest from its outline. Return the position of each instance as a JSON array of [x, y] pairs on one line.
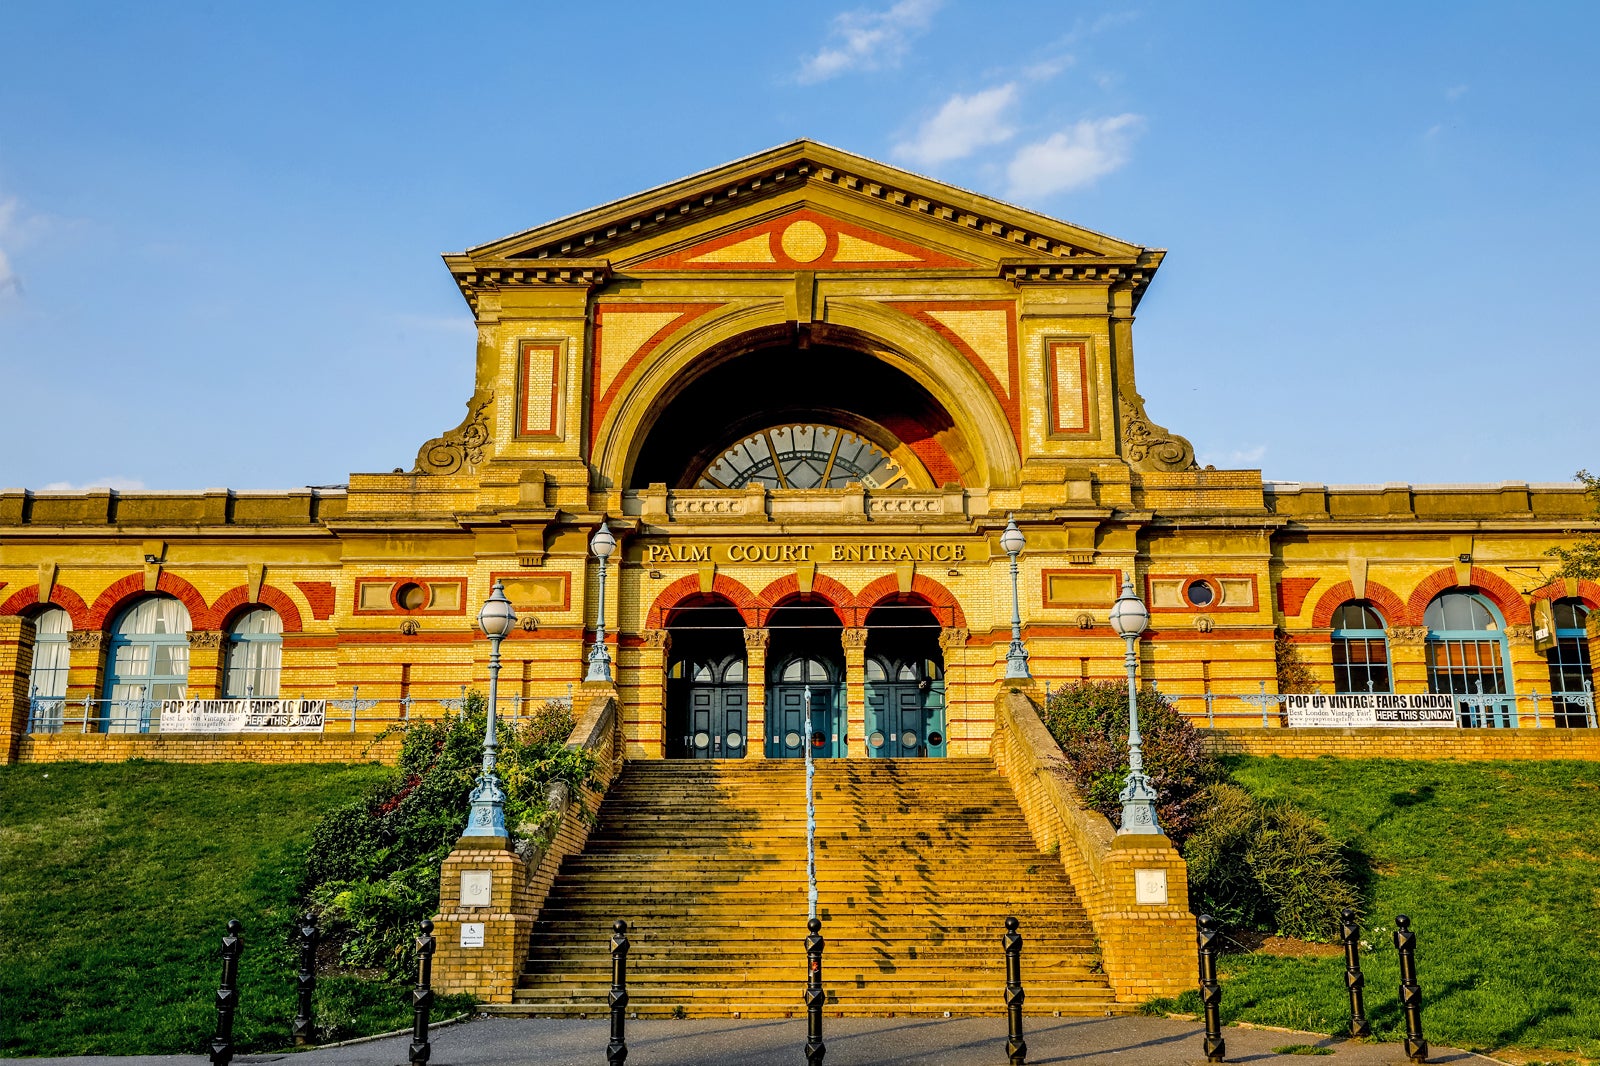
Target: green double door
[[707, 710], [787, 736], [905, 709]]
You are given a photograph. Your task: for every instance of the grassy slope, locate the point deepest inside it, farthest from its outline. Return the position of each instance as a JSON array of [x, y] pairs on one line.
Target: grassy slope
[[1496, 863], [116, 881]]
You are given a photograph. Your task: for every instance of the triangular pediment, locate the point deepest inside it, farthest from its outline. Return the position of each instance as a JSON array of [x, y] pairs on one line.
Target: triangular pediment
[[805, 205]]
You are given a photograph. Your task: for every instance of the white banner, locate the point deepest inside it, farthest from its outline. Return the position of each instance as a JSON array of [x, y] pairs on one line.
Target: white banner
[[1371, 709], [242, 716]]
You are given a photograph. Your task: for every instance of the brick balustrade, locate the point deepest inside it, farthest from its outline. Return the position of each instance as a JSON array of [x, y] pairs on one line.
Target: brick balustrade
[[518, 884], [1147, 948]]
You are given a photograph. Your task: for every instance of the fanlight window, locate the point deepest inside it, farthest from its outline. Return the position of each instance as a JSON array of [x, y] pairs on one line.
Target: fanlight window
[[803, 457], [806, 670]]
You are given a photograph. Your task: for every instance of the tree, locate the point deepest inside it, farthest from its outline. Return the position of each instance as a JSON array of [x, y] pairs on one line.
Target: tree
[[1582, 559]]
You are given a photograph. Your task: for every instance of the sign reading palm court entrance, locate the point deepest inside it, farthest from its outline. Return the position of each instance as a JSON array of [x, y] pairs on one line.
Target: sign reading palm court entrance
[[854, 551], [1371, 709]]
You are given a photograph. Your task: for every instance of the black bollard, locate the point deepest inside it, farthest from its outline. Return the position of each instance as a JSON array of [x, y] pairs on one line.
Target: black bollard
[[617, 1050], [1016, 1047], [1210, 990], [815, 997], [1405, 942], [227, 995], [305, 983], [422, 996], [1350, 936]]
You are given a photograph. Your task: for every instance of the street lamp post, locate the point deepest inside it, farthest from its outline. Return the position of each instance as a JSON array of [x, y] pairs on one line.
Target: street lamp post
[[602, 544], [1129, 618], [1012, 542], [488, 815]]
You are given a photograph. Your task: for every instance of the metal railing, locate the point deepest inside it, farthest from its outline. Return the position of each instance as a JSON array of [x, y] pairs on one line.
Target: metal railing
[[1481, 710], [48, 714]]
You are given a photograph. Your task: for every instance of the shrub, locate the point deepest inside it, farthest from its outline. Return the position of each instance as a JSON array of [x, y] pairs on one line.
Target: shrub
[[1090, 722], [1264, 867], [372, 870]]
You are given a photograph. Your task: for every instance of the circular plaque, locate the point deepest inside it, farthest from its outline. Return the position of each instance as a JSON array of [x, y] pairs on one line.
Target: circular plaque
[[735, 740], [701, 740], [792, 739], [909, 739]]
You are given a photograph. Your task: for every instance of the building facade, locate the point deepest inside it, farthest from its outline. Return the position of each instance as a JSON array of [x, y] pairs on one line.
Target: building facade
[[805, 391]]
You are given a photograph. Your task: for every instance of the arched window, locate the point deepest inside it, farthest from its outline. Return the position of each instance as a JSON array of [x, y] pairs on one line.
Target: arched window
[[1360, 650], [1569, 664], [1467, 658], [255, 656], [806, 671], [47, 681], [148, 662]]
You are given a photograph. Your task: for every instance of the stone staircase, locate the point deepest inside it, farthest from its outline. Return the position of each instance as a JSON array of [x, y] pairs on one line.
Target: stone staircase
[[918, 864]]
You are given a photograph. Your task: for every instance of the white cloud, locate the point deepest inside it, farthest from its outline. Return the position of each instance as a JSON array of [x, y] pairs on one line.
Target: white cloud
[[9, 282], [1072, 158], [867, 40], [121, 484], [963, 125]]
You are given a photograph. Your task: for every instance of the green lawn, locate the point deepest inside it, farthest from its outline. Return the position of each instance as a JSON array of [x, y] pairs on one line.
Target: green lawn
[[1498, 865], [116, 882]]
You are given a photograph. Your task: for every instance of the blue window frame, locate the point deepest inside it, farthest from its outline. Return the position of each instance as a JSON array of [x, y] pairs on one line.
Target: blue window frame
[[47, 679], [1468, 658], [148, 662], [1570, 670], [1360, 649], [255, 656]]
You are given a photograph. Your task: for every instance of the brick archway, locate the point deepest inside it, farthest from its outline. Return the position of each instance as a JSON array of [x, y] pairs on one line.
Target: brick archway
[[788, 586], [1496, 589], [60, 596], [125, 590], [936, 595], [735, 593], [237, 599], [1391, 606], [1588, 592]]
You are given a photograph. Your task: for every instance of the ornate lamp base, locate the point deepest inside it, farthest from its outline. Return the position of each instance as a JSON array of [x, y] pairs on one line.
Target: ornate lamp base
[[488, 815], [1139, 806]]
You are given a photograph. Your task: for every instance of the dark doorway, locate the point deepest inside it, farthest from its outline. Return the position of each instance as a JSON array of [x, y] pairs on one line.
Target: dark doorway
[[706, 686], [805, 654], [904, 683]]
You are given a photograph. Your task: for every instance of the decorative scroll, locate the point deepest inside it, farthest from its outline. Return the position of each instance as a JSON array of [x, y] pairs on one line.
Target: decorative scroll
[[461, 448], [1149, 446]]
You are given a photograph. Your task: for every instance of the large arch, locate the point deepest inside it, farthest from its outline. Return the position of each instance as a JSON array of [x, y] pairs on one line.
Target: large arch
[[827, 588], [687, 586], [237, 599], [129, 588], [931, 591], [879, 333]]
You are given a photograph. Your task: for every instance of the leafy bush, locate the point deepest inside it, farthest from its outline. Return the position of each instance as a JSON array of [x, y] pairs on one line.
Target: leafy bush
[[1265, 867], [1270, 867], [1090, 722], [372, 871]]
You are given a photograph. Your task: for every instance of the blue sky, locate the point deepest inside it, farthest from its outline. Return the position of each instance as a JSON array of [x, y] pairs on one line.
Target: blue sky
[[220, 223]]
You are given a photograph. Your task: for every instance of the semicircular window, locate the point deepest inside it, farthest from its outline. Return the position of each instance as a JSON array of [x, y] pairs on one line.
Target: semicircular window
[[803, 457]]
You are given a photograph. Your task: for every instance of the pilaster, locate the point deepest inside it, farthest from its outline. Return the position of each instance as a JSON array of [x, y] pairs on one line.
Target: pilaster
[[855, 691], [1530, 671], [16, 663], [206, 650], [1408, 663], [652, 694], [86, 672], [755, 672]]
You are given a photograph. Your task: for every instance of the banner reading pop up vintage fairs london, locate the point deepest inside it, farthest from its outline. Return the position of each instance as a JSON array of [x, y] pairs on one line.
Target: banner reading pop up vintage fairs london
[[1369, 709], [242, 716]]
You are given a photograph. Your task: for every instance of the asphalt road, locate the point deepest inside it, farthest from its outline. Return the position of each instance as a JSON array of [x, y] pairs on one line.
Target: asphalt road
[[850, 1042]]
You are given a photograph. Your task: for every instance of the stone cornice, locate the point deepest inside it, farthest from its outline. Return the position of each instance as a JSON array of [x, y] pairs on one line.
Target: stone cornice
[[602, 230], [473, 276]]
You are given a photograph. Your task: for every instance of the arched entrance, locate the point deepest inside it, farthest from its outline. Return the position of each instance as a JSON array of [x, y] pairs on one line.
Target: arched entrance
[[805, 655], [905, 688], [706, 684]]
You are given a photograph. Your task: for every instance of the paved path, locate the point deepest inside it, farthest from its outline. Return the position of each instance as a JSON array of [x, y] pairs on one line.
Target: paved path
[[1137, 1041]]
